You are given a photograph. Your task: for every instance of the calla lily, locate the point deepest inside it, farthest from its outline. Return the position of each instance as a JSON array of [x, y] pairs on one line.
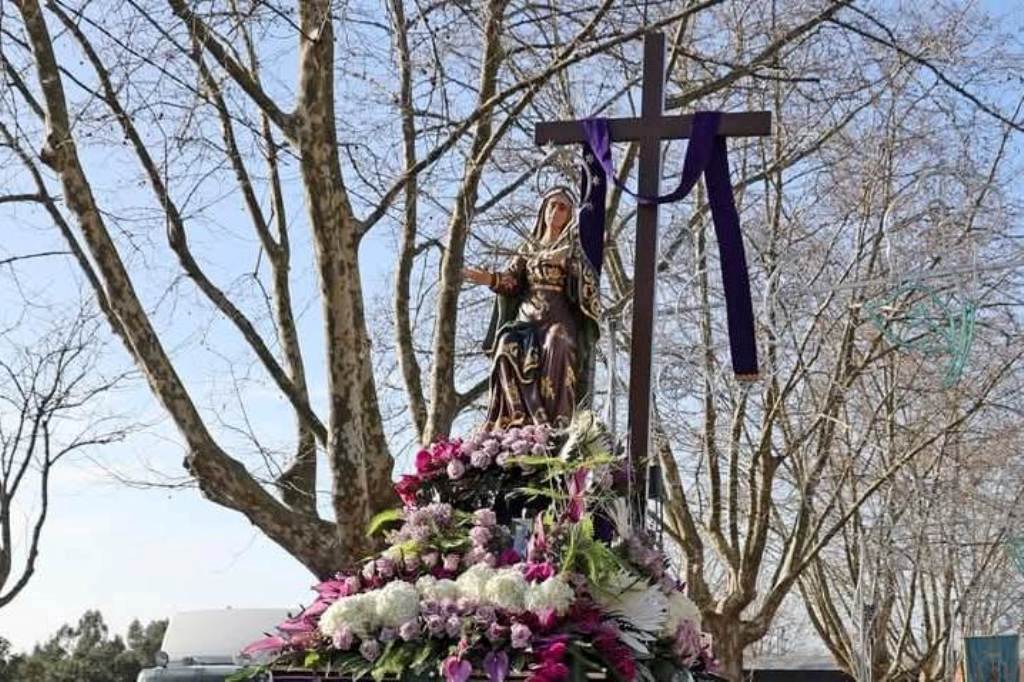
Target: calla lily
[[455, 670], [496, 666], [273, 643], [577, 502]]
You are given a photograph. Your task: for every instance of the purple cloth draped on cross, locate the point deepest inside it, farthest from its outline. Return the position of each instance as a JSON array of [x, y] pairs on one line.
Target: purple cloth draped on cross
[[706, 155]]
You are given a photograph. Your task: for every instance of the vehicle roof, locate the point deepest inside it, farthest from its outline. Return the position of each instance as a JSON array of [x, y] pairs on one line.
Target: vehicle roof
[[217, 635]]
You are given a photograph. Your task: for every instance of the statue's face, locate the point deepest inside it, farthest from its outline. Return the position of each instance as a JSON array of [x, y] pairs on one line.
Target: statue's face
[[556, 214]]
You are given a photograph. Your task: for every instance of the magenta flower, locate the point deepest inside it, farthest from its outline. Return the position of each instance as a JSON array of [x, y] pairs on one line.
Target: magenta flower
[[274, 643], [549, 671], [407, 487], [577, 503], [538, 543], [455, 670], [537, 572], [508, 557], [423, 462], [496, 666]]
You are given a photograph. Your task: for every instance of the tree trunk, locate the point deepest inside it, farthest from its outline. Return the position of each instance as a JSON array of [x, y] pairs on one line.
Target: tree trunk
[[728, 645]]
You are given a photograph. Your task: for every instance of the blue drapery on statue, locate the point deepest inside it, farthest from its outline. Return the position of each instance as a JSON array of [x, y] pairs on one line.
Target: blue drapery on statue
[[706, 155]]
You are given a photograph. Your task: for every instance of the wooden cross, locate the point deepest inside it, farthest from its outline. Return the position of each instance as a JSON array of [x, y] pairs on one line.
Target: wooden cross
[[649, 130]]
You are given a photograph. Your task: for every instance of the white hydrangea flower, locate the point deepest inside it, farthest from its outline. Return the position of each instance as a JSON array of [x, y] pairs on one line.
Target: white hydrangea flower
[[357, 613], [432, 589], [507, 590], [554, 594], [472, 583], [680, 608], [425, 585], [396, 603]]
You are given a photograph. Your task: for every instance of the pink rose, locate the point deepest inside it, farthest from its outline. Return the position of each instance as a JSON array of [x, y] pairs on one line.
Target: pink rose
[[456, 469], [520, 636]]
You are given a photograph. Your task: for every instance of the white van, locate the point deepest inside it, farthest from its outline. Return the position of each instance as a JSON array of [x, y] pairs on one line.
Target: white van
[[204, 646]]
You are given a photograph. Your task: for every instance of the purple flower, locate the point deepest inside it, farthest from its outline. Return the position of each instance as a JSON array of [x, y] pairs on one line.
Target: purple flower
[[480, 459], [485, 614], [485, 517], [520, 447], [387, 634], [496, 632], [451, 562], [455, 670], [539, 449], [491, 448], [456, 469], [473, 556], [343, 639], [370, 649], [520, 636], [453, 626], [409, 630], [480, 535], [435, 625], [496, 666], [386, 567]]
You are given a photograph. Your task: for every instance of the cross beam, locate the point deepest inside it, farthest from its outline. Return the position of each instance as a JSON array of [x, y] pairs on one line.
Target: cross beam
[[649, 130]]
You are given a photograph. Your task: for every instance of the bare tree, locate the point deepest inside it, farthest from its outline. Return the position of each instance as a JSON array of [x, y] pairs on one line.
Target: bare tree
[[50, 391]]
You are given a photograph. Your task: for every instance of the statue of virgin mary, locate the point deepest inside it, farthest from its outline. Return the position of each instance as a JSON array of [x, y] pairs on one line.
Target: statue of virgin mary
[[545, 321]]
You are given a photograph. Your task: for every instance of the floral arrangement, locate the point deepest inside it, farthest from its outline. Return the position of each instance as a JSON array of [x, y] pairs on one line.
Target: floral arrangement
[[465, 590]]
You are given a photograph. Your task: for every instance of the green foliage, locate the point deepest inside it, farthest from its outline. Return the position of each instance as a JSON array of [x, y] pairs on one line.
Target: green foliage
[[85, 653], [386, 517], [594, 559]]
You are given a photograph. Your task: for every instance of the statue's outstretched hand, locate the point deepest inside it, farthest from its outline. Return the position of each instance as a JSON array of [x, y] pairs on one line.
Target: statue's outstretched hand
[[477, 276]]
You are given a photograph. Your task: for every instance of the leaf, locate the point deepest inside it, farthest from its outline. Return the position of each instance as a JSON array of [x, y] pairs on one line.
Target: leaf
[[423, 655], [389, 663], [385, 517], [532, 492], [311, 660], [247, 673]]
